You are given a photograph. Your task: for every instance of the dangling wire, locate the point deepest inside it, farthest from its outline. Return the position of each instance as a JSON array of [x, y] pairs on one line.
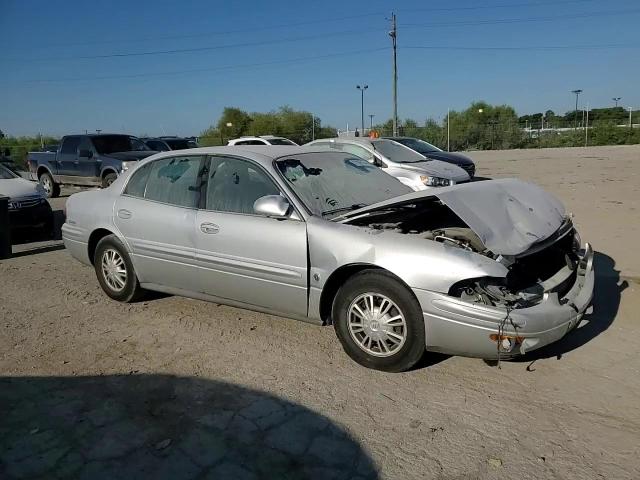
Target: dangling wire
[[501, 331]]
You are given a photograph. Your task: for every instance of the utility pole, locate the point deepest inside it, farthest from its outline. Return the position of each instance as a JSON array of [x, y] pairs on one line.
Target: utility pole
[[448, 131], [313, 127], [586, 127], [362, 89], [616, 99], [394, 37], [576, 92], [630, 124], [371, 115]]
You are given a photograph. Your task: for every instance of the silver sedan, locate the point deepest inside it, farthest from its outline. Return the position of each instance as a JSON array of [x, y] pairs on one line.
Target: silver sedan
[[483, 269]]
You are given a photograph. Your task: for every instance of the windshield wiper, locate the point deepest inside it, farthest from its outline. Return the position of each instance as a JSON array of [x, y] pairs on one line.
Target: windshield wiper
[[344, 209]]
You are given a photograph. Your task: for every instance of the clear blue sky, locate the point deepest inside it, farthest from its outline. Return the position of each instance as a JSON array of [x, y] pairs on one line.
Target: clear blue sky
[[259, 55]]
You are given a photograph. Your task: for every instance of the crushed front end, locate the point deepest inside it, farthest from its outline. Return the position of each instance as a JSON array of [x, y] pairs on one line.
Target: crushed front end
[[544, 295]]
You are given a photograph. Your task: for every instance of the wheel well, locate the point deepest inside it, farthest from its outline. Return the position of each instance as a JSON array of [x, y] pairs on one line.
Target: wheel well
[[107, 172], [42, 170], [94, 238], [335, 281]]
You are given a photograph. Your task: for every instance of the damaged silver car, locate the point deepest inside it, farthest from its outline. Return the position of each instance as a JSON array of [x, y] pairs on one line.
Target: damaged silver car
[[484, 269]]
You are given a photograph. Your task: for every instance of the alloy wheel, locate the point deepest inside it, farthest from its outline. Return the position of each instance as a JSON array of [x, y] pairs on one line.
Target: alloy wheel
[[114, 270], [376, 324]]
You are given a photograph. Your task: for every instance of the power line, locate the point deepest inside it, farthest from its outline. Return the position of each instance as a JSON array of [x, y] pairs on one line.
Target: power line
[[521, 20], [488, 7], [533, 47], [315, 22], [198, 49], [211, 69]]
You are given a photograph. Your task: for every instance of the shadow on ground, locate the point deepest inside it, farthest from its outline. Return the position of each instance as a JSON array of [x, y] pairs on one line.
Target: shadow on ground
[[606, 300], [161, 426]]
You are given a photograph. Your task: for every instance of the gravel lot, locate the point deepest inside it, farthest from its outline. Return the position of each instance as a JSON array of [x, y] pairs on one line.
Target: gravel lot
[[178, 388]]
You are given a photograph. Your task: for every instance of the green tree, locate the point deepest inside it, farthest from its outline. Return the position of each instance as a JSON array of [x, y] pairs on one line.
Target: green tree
[[233, 123]]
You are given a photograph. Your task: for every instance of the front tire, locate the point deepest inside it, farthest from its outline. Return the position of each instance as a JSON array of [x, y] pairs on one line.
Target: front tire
[[108, 179], [115, 271], [51, 188], [379, 322]]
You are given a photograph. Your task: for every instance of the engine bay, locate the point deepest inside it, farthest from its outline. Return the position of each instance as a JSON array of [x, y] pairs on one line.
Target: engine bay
[[549, 266]]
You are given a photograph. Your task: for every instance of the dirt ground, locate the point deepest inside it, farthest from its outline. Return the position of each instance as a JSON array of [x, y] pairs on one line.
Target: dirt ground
[[178, 388]]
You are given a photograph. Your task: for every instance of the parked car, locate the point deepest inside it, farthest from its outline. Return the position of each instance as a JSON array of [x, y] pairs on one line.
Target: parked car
[[408, 166], [165, 144], [482, 269], [262, 140], [435, 153], [7, 162], [86, 160], [28, 206]]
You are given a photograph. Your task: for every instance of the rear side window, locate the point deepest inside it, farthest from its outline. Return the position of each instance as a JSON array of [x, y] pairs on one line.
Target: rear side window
[[175, 180], [138, 181], [251, 142], [157, 146], [70, 145]]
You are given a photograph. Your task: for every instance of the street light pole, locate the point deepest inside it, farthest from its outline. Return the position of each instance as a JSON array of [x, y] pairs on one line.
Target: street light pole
[[616, 99], [576, 92], [362, 89], [394, 39]]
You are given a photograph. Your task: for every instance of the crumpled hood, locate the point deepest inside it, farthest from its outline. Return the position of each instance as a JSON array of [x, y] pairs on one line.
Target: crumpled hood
[[508, 215], [130, 156], [18, 188], [438, 168]]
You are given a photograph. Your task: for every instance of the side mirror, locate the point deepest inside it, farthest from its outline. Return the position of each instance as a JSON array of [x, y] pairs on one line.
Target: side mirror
[[85, 154], [275, 206], [378, 163]]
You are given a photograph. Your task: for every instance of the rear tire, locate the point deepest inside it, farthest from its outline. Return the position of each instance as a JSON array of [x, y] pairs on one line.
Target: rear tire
[[379, 322], [108, 179], [115, 271], [51, 188]]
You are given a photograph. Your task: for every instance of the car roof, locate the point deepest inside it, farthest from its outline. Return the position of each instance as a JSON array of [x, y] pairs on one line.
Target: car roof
[[361, 140], [262, 154]]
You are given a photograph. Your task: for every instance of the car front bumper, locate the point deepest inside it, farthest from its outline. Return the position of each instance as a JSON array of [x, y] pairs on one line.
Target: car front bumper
[[457, 327], [31, 218]]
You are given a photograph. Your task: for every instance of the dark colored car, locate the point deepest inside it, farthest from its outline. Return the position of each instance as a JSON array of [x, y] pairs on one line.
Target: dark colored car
[[29, 210], [433, 152], [88, 160], [165, 144]]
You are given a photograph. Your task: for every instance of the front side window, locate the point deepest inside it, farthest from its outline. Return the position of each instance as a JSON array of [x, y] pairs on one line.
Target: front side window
[[70, 145], [331, 183], [357, 150], [174, 180], [234, 185], [396, 152], [418, 145]]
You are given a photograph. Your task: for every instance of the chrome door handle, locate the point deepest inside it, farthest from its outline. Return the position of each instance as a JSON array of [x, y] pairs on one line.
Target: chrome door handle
[[124, 214], [209, 228]]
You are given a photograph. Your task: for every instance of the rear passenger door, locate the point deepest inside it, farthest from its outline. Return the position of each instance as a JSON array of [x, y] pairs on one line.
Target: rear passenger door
[[68, 156], [245, 257], [156, 215]]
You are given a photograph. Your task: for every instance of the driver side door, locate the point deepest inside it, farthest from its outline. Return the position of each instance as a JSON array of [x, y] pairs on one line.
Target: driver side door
[[245, 257]]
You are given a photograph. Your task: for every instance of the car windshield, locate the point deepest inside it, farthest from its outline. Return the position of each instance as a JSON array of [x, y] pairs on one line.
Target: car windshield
[[397, 153], [332, 183], [178, 144], [106, 144], [280, 141], [6, 174], [418, 145]]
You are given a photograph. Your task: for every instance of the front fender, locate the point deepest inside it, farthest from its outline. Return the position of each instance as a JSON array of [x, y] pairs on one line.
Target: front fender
[[419, 262]]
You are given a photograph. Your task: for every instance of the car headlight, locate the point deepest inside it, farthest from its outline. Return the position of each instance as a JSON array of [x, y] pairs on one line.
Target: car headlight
[[431, 181]]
